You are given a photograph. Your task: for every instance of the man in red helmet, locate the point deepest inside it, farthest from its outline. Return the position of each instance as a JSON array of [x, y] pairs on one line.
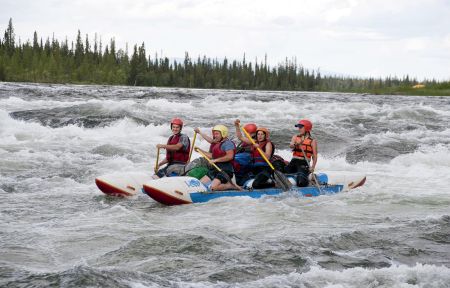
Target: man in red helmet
[[243, 158], [304, 149], [177, 155], [243, 146]]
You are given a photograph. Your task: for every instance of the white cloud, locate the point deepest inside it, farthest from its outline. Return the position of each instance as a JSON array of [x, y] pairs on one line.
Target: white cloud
[[416, 44], [283, 21], [345, 9], [446, 41], [356, 34]]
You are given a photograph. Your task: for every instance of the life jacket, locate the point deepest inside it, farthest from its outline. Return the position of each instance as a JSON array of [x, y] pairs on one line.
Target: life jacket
[[306, 146], [216, 149], [258, 160], [180, 156]]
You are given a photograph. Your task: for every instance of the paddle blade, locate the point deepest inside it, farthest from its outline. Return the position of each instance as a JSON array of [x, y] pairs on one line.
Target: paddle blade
[[282, 181]]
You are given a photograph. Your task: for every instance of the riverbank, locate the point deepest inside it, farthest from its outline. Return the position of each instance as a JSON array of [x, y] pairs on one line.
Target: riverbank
[[404, 91], [425, 91]]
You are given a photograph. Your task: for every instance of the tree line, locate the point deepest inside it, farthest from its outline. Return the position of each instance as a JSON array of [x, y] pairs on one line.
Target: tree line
[[88, 60]]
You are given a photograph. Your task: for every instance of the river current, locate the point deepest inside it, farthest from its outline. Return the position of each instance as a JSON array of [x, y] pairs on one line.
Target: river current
[[57, 229]]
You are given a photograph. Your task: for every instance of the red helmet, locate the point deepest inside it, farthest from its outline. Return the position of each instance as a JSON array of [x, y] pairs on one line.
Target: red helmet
[[250, 128], [304, 123], [176, 121]]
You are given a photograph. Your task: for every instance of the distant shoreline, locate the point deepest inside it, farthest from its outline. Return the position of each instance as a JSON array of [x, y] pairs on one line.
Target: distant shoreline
[[404, 92]]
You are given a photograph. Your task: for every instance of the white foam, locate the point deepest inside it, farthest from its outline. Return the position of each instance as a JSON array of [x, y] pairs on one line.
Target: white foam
[[422, 135], [18, 104], [420, 275], [33, 156], [166, 105]]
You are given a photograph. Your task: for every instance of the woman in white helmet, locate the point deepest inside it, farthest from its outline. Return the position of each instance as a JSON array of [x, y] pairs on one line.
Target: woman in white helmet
[[221, 152]]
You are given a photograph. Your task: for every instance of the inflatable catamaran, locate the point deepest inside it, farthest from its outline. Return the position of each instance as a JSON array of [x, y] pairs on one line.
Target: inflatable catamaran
[[122, 185], [187, 190]]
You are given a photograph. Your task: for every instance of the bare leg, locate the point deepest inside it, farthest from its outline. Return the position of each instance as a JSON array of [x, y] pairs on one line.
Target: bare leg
[[216, 185], [205, 179]]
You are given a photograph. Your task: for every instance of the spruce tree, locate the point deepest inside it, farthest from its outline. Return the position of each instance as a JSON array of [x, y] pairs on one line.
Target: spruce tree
[[35, 42], [79, 50], [9, 38]]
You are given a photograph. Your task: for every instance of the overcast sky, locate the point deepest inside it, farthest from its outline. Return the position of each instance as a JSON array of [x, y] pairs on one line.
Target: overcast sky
[[351, 37]]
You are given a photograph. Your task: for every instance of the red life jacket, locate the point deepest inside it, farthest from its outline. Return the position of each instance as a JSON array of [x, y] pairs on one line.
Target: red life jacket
[[258, 160], [216, 149], [306, 146], [180, 156]]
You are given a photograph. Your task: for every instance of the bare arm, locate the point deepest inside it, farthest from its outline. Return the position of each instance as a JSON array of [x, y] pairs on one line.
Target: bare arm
[[267, 150], [208, 154], [204, 136], [227, 157], [314, 156], [237, 125], [293, 142], [172, 147]]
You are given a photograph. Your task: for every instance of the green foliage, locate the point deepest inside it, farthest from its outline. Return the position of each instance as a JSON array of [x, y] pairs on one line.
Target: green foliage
[[56, 62]]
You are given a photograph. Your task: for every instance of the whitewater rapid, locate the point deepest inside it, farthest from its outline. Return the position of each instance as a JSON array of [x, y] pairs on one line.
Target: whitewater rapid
[[58, 229]]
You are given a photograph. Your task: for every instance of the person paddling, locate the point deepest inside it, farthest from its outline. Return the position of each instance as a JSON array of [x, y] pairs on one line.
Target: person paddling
[[243, 160], [260, 168], [244, 146], [177, 155], [221, 152], [304, 149]]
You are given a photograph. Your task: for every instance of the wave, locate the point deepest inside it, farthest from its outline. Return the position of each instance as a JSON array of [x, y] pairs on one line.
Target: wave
[[420, 275], [85, 115]]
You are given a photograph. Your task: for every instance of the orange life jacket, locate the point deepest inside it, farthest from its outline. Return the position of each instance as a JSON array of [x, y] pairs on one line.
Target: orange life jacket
[[306, 146]]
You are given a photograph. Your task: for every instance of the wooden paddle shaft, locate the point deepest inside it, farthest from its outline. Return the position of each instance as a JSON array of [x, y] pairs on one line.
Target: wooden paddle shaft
[[259, 149], [309, 166], [217, 167], [192, 148], [157, 160], [207, 158]]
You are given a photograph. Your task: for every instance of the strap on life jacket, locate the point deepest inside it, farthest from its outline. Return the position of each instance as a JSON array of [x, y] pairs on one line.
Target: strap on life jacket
[[306, 146], [258, 160], [180, 156], [216, 149]]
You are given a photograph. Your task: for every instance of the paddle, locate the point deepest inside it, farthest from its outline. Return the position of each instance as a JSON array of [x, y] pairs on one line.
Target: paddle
[[309, 166], [157, 161], [280, 178], [192, 148], [217, 168]]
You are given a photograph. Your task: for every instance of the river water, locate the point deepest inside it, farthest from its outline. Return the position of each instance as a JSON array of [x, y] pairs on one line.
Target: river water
[[58, 229]]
